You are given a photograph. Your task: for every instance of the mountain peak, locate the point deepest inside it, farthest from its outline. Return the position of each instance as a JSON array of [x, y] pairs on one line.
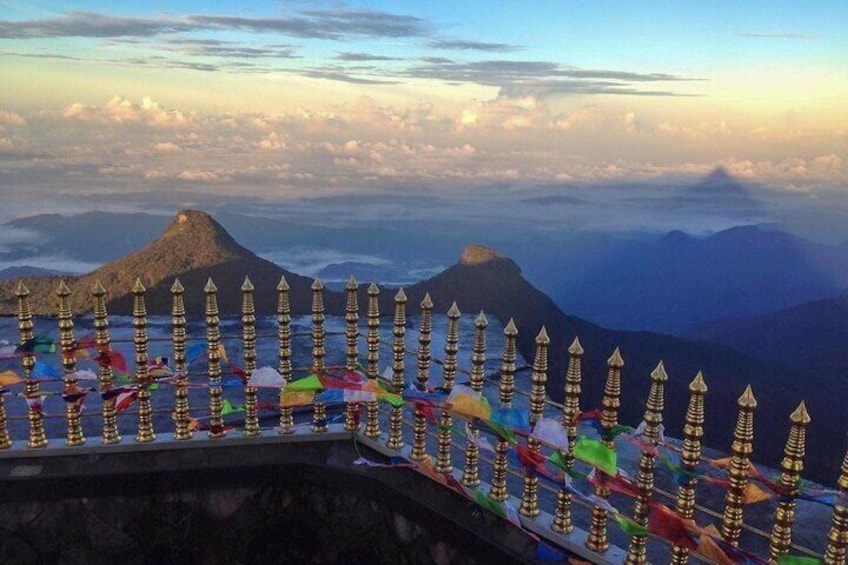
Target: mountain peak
[[193, 222], [479, 254]]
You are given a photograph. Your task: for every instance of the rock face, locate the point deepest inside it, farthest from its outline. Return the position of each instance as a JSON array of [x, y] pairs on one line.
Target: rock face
[[478, 254]]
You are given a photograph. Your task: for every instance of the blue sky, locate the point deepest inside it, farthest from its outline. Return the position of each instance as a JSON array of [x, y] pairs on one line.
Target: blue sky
[[295, 97]]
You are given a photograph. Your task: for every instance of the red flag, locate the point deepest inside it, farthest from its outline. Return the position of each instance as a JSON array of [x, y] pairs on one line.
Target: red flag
[[668, 525]]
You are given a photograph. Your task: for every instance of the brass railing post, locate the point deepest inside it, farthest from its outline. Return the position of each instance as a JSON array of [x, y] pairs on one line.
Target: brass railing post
[[32, 388], [69, 366], [285, 355], [142, 375], [372, 416], [248, 338], [791, 467], [213, 341], [693, 431], [506, 389], [597, 540], [319, 409], [104, 373], [352, 352], [530, 498], [743, 434], [422, 376], [395, 440], [636, 553], [563, 522], [471, 471], [837, 537], [443, 456], [182, 415]]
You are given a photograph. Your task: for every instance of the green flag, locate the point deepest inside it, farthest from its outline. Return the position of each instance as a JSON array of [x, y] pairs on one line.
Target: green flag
[[489, 504], [391, 398], [796, 560], [595, 453], [228, 408], [630, 527], [504, 433], [312, 382], [557, 459]]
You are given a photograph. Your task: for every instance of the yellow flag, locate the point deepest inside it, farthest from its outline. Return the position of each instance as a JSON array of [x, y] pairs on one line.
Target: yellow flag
[[9, 378], [297, 398], [754, 493]]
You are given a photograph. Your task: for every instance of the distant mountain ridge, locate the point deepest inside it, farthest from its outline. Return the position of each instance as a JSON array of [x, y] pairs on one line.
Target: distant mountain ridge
[[195, 247], [813, 333]]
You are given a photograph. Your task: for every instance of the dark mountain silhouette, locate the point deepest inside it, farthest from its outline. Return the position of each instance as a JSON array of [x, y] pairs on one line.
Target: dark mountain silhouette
[[195, 247], [679, 280], [485, 280], [813, 334]]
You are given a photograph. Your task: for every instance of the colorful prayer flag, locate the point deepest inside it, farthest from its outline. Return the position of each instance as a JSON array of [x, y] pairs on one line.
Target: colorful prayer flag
[[9, 378], [551, 432], [596, 453], [266, 377], [312, 382]]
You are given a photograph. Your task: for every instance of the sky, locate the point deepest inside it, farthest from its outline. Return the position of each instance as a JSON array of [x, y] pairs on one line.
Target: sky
[[285, 99]]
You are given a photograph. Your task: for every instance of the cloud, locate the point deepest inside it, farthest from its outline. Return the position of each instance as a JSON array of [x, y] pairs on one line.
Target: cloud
[[348, 56], [11, 119], [466, 45], [312, 24]]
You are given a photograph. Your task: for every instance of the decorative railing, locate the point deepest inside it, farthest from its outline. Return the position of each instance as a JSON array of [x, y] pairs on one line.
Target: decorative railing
[[566, 458]]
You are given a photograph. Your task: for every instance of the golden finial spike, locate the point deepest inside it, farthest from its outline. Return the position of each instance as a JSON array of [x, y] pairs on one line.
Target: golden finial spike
[[213, 355], [747, 399], [506, 389], [104, 373], [372, 413], [97, 289], [576, 348], [182, 415], [248, 339], [610, 405], [427, 302], [284, 337], [740, 462], [616, 360], [395, 440], [319, 409], [800, 414], [791, 467], [21, 290], [422, 376], [837, 536], [563, 522], [352, 352], [471, 470], [636, 553], [69, 366], [698, 384], [142, 375], [32, 387], [5, 439], [400, 296], [693, 431], [449, 367], [530, 498]]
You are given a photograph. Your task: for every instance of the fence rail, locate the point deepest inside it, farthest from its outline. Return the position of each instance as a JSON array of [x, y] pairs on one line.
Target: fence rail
[[569, 476]]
